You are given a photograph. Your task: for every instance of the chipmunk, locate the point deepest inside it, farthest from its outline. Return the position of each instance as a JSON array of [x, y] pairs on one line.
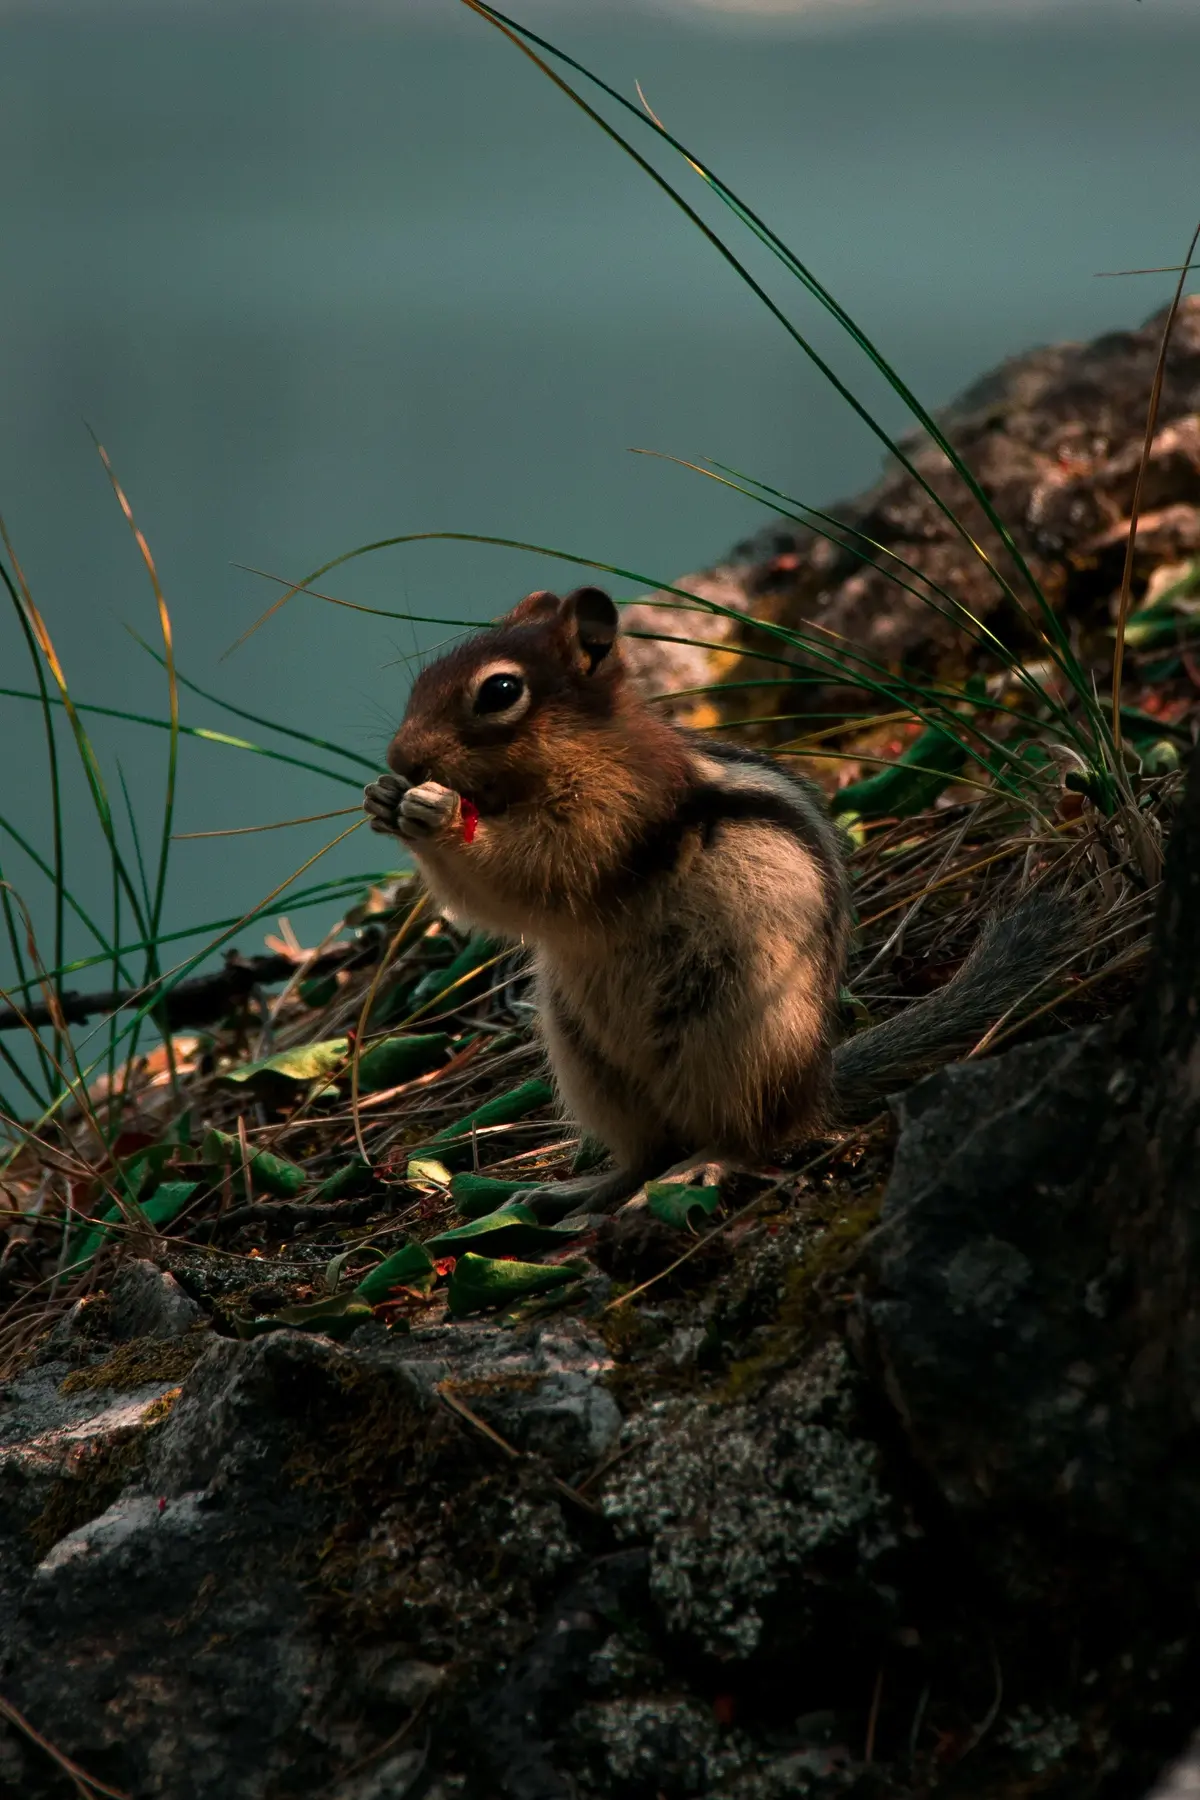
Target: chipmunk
[[686, 901]]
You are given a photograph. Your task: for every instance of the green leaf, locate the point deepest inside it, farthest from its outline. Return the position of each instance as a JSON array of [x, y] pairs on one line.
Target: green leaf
[[307, 1062], [169, 1199], [427, 1168], [1161, 758], [478, 1282], [410, 1267], [385, 1064], [398, 1059], [273, 1173], [475, 1195], [335, 1265], [336, 1317], [1160, 619], [590, 1155], [352, 1175], [914, 782], [506, 1232], [318, 990], [676, 1205], [479, 950], [453, 1144], [138, 1170]]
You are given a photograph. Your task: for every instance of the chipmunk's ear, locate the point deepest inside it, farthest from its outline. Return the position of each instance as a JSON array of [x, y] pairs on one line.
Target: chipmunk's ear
[[539, 605], [590, 620]]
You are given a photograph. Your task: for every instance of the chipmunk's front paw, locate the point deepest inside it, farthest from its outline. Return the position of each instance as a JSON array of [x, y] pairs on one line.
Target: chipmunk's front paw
[[427, 811], [381, 803]]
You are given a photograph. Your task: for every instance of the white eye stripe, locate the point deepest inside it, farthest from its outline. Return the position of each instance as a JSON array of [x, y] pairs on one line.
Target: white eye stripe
[[505, 715], [487, 670]]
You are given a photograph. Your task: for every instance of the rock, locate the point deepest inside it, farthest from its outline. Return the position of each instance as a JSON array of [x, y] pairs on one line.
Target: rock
[[65, 1455], [769, 1521], [990, 1297], [544, 1395], [392, 1779], [668, 1745], [671, 1746], [1054, 437], [117, 1538], [290, 1481], [146, 1301], [1035, 1284], [513, 1728], [673, 646]]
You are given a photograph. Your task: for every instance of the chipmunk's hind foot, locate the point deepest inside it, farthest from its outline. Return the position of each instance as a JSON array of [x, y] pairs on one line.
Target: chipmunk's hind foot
[[590, 1194], [551, 1201]]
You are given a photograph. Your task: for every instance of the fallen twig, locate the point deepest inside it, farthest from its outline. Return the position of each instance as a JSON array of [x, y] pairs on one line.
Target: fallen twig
[[200, 1000]]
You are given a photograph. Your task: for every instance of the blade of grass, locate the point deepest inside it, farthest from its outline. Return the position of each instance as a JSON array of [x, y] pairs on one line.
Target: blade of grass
[[1051, 629], [170, 978], [181, 970], [958, 615], [154, 912], [893, 689], [385, 961], [24, 983], [39, 1096], [87, 755], [84, 917], [322, 894], [275, 825], [73, 1086], [154, 915], [52, 767], [356, 605], [164, 621], [134, 833], [241, 712], [85, 1785], [1156, 388], [115, 979], [197, 731], [888, 686], [780, 502]]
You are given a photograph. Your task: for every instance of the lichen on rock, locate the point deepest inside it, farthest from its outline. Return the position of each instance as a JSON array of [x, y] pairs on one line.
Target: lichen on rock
[[758, 1515]]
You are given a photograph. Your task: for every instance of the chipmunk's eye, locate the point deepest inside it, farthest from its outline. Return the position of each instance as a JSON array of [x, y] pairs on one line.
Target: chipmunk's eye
[[498, 693]]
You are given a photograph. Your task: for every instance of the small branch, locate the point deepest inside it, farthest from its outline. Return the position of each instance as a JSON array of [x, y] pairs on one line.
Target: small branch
[[87, 1786], [200, 1000]]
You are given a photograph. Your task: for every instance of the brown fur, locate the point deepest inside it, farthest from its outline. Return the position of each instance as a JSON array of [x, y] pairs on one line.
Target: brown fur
[[688, 912]]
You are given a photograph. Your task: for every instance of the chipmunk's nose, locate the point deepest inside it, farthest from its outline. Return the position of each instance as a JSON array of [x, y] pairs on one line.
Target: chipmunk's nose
[[409, 757]]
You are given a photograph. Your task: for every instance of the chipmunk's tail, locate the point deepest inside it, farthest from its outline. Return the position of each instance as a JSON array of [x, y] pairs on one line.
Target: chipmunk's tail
[[1015, 953]]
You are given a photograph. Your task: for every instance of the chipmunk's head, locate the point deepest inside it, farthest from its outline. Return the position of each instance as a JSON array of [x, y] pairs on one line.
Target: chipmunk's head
[[508, 713]]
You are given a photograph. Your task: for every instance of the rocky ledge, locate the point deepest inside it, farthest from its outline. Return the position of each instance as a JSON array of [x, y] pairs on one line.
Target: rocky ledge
[[1055, 438]]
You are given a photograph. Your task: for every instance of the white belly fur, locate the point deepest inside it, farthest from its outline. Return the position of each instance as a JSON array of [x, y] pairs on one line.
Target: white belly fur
[[696, 1076]]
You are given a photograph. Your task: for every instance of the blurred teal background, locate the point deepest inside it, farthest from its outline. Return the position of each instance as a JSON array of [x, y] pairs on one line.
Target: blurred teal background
[[318, 278]]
